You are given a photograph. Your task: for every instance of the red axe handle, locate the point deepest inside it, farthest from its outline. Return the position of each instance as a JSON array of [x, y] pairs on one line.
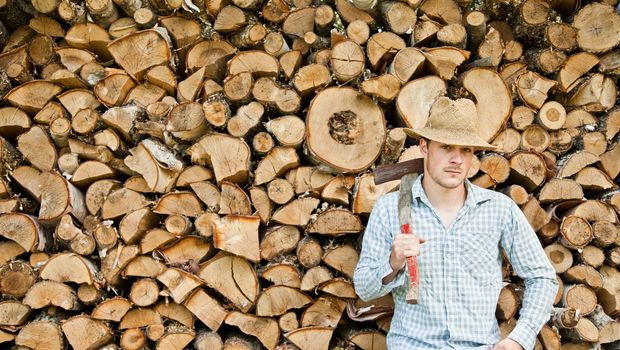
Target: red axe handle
[[413, 292], [405, 219]]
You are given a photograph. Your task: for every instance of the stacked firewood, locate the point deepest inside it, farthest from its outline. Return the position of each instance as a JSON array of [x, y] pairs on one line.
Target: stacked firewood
[[181, 174]]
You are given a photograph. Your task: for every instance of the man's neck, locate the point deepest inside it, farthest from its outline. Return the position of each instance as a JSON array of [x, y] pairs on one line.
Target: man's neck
[[442, 198]]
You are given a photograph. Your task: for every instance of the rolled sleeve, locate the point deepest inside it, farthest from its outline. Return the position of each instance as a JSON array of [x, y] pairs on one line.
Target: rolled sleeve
[[374, 262], [523, 335]]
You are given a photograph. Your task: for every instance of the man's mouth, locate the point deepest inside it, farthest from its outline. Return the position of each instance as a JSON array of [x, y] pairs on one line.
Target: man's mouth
[[453, 171]]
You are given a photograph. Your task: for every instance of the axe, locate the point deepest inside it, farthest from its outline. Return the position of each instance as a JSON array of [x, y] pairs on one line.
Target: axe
[[408, 172]]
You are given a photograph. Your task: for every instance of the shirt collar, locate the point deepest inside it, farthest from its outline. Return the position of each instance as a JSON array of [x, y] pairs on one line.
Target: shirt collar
[[475, 194]]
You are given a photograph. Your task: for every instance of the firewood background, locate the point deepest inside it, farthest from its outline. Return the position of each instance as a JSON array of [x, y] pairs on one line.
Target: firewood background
[[197, 174]]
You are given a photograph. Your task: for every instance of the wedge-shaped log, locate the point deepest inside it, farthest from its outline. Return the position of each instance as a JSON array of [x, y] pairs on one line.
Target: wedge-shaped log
[[444, 61], [238, 235], [77, 99], [234, 200], [23, 230], [175, 312], [32, 96], [14, 313], [296, 212], [91, 171], [179, 283], [338, 287], [229, 157], [41, 334], [156, 163], [342, 258], [279, 240], [137, 52], [175, 338], [189, 249], [211, 54], [314, 277], [259, 63], [84, 333], [262, 203], [277, 300], [326, 311], [311, 338], [560, 189], [112, 309], [206, 308], [179, 203], [51, 293], [113, 89], [121, 201], [264, 328], [335, 222], [13, 121], [144, 266], [573, 163], [233, 277], [275, 163], [115, 261], [282, 274], [68, 267], [140, 317], [369, 340], [209, 194], [37, 147]]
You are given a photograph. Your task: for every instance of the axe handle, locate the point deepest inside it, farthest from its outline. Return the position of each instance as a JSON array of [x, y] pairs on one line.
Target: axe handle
[[413, 292], [405, 220]]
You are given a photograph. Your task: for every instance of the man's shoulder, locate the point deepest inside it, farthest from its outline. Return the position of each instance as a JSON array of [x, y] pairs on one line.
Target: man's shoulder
[[388, 200]]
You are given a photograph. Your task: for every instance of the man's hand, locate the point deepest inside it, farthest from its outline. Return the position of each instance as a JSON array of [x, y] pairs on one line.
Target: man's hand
[[507, 344], [403, 246]]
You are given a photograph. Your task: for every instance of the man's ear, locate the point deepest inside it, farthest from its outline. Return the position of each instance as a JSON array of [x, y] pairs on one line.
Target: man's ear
[[423, 144]]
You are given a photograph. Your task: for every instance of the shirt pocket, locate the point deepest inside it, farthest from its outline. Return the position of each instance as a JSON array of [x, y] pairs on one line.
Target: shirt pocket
[[479, 254]]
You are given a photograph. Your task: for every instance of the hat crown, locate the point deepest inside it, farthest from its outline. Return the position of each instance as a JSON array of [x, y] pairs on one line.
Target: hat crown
[[457, 115]]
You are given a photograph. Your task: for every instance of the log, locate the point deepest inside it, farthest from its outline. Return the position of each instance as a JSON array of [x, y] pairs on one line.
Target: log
[[41, 334], [240, 287], [84, 333]]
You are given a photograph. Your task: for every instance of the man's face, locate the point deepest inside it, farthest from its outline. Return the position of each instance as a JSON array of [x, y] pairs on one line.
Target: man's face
[[446, 165]]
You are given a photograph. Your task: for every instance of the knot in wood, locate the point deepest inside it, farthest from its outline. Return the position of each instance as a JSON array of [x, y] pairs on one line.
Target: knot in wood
[[344, 127]]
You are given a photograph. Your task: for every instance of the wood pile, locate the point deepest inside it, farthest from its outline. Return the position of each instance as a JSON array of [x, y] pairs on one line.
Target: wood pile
[[197, 174]]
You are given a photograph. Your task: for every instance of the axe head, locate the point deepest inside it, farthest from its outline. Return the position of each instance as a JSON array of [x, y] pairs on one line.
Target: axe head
[[390, 172]]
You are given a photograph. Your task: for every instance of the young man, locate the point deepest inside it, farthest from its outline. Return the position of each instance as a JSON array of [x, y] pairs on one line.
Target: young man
[[459, 233]]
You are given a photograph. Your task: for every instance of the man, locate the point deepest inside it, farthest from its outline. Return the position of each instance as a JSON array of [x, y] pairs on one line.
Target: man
[[459, 232]]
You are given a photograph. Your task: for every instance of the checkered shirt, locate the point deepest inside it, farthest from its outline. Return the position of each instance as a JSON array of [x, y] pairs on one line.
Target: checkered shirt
[[460, 272]]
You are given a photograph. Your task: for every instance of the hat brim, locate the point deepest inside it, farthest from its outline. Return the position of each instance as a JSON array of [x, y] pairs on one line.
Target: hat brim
[[451, 137]]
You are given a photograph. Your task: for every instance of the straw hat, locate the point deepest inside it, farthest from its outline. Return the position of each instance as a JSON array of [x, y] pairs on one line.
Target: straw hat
[[454, 123]]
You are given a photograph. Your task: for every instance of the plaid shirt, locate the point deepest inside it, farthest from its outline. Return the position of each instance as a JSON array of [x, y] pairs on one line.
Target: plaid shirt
[[460, 272]]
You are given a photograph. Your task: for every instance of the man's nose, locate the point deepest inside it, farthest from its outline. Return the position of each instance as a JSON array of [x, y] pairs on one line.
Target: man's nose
[[457, 157]]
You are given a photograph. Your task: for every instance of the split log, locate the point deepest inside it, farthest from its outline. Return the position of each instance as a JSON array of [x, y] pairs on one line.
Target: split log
[[284, 274], [84, 333], [233, 277], [41, 333], [14, 313], [238, 235], [265, 329], [207, 309], [311, 338]]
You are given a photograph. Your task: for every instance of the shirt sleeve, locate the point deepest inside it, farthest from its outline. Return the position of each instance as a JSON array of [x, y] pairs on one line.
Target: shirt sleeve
[[374, 262], [529, 261]]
